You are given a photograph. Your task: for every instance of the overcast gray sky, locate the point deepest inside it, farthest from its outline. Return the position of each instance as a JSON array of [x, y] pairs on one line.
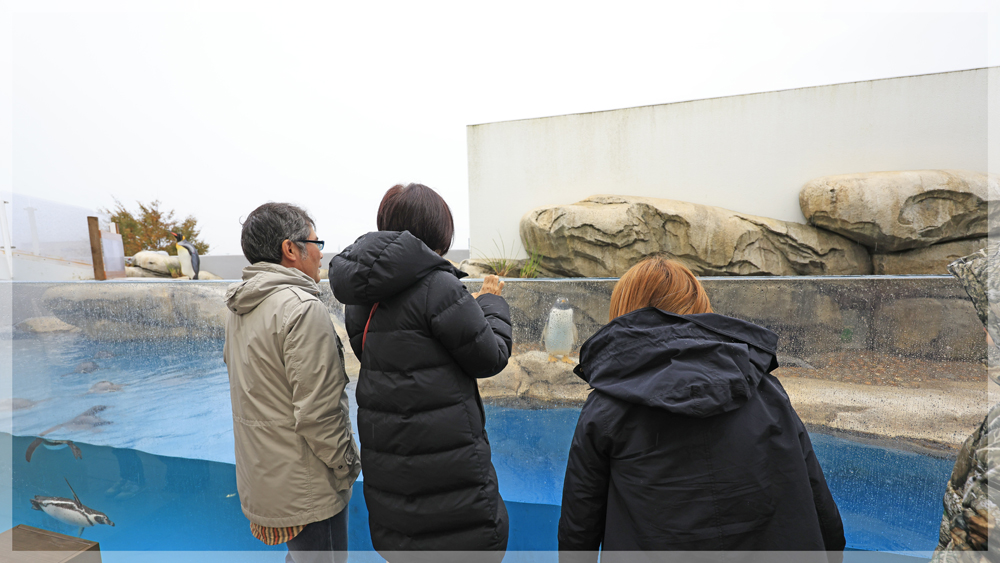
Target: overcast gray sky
[[214, 107]]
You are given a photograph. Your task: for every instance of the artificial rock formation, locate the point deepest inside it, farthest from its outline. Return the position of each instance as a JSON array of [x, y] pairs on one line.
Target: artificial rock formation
[[933, 259], [45, 325], [150, 264], [895, 211], [531, 376], [157, 264], [603, 236], [140, 311]]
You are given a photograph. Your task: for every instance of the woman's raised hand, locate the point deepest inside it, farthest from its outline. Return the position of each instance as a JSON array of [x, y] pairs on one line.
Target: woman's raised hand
[[491, 284]]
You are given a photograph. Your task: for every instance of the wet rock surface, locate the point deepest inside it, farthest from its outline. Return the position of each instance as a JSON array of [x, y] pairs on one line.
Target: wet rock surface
[[603, 236], [531, 376], [895, 211], [933, 259], [140, 311]]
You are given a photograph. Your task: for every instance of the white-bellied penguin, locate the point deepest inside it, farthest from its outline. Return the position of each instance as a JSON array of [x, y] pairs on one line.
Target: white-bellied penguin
[[72, 512], [188, 255], [559, 334]]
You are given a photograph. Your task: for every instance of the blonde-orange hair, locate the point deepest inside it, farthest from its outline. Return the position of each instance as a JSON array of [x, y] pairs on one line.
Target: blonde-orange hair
[[661, 283]]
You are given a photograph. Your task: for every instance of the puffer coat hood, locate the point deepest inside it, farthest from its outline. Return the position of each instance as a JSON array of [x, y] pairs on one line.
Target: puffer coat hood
[[381, 264], [262, 279], [695, 365], [429, 482]]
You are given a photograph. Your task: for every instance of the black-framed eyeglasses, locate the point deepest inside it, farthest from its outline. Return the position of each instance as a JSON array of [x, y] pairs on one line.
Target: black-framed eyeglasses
[[319, 244]]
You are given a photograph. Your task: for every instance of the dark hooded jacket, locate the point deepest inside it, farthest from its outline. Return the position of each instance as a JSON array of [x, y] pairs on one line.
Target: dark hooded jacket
[[687, 443], [429, 482]]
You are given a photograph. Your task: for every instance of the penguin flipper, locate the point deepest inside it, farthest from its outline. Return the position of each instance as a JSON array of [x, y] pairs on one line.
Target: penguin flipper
[[76, 450], [76, 499], [80, 534], [195, 262], [31, 450]]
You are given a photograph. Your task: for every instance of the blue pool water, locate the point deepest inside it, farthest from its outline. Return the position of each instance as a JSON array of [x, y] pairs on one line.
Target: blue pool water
[[161, 467]]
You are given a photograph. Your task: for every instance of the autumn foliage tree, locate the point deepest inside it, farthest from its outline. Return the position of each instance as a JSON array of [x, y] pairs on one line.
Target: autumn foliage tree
[[150, 227]]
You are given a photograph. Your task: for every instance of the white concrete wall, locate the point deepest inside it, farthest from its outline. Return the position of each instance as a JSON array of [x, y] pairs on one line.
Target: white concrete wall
[[749, 153]]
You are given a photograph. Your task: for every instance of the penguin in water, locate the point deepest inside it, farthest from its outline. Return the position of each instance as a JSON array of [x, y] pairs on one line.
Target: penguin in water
[[188, 256], [72, 512], [84, 367], [52, 445], [88, 420], [559, 334]]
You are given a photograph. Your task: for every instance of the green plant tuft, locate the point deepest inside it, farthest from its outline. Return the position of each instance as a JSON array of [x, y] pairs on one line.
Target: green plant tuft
[[530, 268], [502, 265]]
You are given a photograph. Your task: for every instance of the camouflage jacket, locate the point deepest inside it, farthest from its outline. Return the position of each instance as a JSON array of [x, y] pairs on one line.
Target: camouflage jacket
[[970, 504]]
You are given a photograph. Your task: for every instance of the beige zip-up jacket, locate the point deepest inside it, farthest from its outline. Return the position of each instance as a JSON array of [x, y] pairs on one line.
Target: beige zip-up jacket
[[296, 458]]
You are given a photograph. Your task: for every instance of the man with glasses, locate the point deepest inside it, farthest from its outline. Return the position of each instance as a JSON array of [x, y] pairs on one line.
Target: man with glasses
[[296, 459]]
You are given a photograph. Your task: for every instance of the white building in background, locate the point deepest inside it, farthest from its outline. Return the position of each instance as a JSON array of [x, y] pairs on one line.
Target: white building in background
[[44, 240], [749, 153]]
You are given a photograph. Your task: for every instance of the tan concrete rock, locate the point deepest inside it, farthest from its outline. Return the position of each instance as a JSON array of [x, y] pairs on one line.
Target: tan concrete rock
[[603, 236], [942, 412], [933, 259], [157, 262], [895, 211], [475, 267], [551, 381], [137, 272], [45, 325], [532, 376], [504, 385]]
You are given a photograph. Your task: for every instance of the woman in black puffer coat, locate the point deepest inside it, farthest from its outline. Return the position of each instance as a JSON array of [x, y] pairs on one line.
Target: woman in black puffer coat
[[429, 483], [687, 442]]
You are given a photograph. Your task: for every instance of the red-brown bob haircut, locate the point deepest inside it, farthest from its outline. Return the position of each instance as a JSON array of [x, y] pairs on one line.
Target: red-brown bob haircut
[[420, 210], [661, 283]]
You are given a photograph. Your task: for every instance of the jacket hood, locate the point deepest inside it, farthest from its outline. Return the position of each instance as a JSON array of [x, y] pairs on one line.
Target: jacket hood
[[694, 365], [261, 280], [381, 264]]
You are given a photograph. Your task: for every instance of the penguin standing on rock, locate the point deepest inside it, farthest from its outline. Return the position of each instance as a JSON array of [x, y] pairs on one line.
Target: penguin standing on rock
[[188, 256], [559, 334]]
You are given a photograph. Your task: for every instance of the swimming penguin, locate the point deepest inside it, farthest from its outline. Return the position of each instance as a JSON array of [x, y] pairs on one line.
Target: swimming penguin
[[84, 367], [71, 512], [18, 404], [104, 387], [559, 334], [188, 256], [88, 420], [52, 445]]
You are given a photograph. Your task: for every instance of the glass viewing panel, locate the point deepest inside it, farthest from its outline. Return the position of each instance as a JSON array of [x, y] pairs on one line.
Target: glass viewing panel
[[125, 384]]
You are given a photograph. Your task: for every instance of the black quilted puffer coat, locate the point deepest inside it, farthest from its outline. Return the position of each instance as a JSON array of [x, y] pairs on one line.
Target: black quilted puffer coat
[[428, 480], [688, 443]]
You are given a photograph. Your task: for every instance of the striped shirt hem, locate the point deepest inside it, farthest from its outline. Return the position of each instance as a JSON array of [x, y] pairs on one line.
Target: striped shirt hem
[[274, 536]]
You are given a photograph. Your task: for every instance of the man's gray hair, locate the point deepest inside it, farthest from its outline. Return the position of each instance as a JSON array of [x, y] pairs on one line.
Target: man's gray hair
[[271, 224]]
